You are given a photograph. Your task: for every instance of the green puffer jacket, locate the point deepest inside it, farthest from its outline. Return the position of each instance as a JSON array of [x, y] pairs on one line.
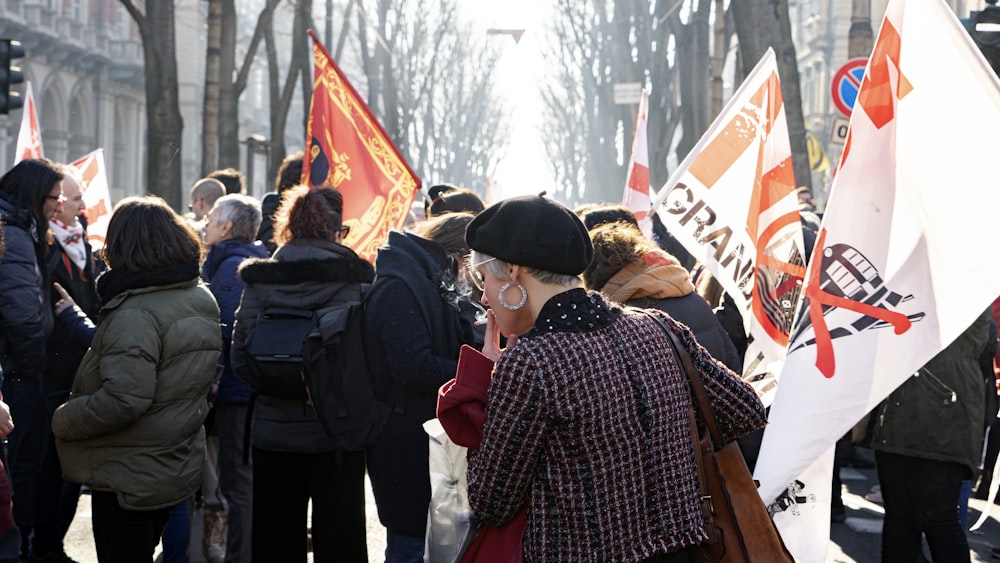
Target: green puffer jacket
[[937, 413], [133, 423]]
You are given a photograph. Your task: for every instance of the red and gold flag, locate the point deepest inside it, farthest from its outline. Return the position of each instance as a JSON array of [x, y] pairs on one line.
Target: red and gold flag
[[347, 149]]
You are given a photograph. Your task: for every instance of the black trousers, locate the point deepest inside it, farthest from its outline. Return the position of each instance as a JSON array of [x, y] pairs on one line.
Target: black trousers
[[921, 499], [283, 485], [124, 536]]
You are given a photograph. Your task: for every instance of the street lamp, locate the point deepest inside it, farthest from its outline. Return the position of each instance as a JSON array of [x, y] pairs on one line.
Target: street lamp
[[515, 33]]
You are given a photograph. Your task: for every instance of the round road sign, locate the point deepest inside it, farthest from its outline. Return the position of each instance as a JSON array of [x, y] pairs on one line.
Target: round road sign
[[846, 83]]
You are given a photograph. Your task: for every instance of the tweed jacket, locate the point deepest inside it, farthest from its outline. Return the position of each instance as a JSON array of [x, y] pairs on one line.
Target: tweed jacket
[[587, 423]]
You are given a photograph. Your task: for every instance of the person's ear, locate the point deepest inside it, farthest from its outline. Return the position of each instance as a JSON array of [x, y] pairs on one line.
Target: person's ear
[[513, 272], [227, 228]]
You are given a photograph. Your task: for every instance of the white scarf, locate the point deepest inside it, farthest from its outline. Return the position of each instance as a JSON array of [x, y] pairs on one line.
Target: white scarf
[[71, 238]]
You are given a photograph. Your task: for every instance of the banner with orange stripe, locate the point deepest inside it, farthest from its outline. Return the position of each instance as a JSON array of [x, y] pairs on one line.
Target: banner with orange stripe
[[347, 149], [732, 204]]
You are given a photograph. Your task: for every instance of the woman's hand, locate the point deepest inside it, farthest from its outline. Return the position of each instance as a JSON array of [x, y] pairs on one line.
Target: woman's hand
[[6, 422], [65, 301], [491, 347]]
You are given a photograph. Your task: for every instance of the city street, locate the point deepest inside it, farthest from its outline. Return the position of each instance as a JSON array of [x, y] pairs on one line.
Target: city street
[[854, 541]]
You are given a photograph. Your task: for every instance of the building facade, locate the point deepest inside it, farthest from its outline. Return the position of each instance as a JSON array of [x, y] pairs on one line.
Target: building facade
[[84, 59]]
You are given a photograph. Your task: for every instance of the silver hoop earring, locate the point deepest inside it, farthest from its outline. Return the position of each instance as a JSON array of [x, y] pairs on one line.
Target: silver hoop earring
[[508, 306]]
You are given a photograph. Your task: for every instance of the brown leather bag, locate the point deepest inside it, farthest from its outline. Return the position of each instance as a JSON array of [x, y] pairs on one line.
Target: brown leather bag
[[738, 525]]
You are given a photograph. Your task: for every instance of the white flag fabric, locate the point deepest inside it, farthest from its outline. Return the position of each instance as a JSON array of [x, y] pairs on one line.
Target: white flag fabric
[[636, 197], [93, 177], [732, 204], [898, 271], [29, 136]]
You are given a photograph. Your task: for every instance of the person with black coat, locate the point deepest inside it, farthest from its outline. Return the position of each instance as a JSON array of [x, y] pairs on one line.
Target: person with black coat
[[414, 329], [294, 460], [630, 269], [30, 195]]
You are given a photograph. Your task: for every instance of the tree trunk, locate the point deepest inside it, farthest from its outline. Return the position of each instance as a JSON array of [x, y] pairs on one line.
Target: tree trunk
[[765, 23], [164, 125], [281, 95], [694, 69], [210, 109], [229, 113]]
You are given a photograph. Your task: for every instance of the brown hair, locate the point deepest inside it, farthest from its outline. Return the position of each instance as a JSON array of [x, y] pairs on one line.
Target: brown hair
[[145, 234], [447, 229], [615, 246], [307, 213]]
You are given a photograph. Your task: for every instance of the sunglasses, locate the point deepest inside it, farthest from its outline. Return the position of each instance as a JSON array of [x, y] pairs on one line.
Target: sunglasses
[[344, 231], [477, 278]]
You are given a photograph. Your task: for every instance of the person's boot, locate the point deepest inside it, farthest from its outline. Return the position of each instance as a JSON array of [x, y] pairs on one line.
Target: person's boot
[[213, 538]]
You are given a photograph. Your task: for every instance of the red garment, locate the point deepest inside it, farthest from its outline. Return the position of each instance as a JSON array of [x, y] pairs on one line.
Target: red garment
[[462, 412]]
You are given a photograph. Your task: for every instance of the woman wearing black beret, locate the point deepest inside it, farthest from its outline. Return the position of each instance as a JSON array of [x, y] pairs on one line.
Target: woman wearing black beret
[[587, 416]]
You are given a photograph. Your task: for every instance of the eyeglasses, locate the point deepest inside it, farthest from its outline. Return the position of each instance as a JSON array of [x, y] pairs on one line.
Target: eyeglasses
[[57, 198], [344, 231], [477, 278]]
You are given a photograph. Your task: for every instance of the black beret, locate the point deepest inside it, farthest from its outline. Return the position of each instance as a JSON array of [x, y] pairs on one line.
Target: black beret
[[532, 231]]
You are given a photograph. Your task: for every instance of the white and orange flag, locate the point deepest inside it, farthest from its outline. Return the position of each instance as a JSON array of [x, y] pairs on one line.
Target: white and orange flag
[[636, 197], [732, 204], [29, 137], [93, 178], [901, 266]]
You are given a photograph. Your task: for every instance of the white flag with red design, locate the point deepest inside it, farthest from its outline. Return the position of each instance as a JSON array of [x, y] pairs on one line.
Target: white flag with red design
[[636, 197], [93, 179], [901, 266], [29, 137], [732, 204]]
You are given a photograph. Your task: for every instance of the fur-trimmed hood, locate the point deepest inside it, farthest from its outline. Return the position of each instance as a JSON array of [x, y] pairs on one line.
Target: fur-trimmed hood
[[298, 265]]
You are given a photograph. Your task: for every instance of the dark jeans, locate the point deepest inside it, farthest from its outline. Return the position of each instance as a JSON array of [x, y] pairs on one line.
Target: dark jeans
[[55, 498], [921, 498], [283, 484], [25, 449], [124, 536], [235, 480]]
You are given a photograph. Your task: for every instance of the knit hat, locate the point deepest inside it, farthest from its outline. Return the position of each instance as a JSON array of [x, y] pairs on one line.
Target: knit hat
[[532, 231]]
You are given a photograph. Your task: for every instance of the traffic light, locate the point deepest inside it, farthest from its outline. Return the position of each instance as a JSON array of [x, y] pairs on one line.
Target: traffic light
[[10, 75], [985, 30]]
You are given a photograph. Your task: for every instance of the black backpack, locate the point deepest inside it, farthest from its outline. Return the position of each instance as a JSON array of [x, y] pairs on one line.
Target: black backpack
[[319, 356]]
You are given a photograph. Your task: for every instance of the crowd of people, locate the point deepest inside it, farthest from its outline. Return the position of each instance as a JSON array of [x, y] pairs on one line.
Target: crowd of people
[[126, 372]]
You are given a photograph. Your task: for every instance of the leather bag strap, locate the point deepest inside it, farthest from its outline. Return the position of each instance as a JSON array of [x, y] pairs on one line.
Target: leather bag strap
[[687, 365]]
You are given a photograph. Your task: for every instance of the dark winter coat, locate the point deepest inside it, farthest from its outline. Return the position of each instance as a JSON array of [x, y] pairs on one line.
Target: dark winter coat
[[26, 316], [657, 282], [133, 423], [937, 413], [220, 273], [305, 275], [65, 348], [413, 332], [265, 234]]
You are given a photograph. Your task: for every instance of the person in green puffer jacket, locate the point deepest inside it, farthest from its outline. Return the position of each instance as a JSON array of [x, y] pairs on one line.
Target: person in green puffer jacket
[[132, 427], [927, 436]]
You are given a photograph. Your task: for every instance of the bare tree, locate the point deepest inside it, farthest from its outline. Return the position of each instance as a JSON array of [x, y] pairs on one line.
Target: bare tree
[[431, 83], [281, 94], [164, 124], [224, 83], [765, 23], [598, 44]]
